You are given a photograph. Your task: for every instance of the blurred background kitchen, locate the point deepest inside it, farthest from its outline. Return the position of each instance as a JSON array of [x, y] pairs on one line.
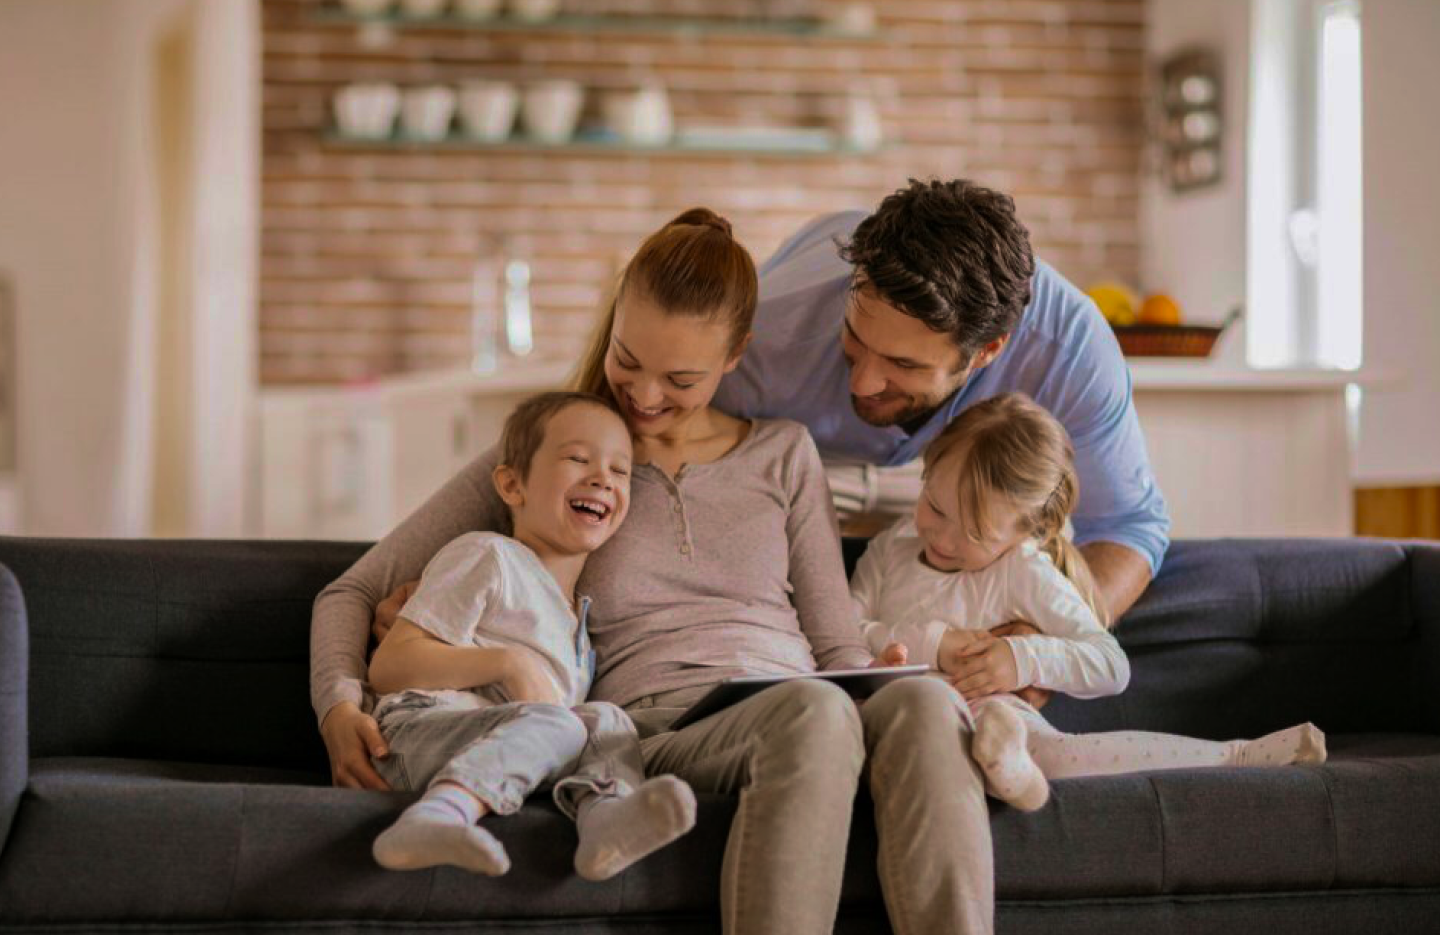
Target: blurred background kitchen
[[278, 267]]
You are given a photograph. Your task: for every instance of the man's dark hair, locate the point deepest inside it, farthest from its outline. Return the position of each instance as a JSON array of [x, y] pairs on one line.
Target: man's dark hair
[[950, 254]]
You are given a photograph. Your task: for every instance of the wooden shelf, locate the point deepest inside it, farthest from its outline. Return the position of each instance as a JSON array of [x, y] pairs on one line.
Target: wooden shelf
[[804, 143], [782, 27]]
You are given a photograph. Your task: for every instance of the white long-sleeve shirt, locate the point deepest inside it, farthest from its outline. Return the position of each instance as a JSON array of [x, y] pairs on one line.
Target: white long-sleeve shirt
[[900, 599]]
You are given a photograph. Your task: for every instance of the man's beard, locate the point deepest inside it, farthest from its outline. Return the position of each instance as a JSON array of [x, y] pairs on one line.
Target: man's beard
[[910, 418]]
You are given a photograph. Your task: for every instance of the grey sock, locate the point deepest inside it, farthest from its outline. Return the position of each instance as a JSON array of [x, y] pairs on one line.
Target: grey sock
[[616, 831], [440, 829]]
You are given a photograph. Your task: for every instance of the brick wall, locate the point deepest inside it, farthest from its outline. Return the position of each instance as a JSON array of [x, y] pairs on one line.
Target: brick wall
[[368, 254]]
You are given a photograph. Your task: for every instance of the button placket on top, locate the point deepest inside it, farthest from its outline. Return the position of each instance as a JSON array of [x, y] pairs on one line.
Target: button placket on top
[[683, 542]]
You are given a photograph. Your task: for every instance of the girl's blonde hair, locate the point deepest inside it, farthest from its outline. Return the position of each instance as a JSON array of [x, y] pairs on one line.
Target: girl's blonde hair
[[1010, 447], [692, 266]]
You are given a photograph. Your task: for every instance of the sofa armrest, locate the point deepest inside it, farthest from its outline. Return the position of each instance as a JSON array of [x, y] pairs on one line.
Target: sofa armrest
[[14, 691], [1425, 605]]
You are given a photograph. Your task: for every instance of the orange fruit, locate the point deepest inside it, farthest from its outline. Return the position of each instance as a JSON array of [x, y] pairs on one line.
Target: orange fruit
[[1115, 301], [1160, 309]]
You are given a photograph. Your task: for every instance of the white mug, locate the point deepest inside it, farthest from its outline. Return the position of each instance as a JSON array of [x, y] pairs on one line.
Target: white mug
[[551, 110], [367, 110], [487, 109], [425, 112]]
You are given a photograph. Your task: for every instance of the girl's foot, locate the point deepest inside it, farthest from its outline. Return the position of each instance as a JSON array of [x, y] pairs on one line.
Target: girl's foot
[[1301, 744], [1000, 750]]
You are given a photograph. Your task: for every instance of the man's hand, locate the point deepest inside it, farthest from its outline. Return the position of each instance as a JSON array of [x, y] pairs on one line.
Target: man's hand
[[985, 667], [1037, 697], [351, 738], [953, 645], [894, 654], [524, 676], [387, 610]]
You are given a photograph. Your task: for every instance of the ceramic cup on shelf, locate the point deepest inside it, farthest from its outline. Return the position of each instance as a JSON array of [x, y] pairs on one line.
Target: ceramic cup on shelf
[[534, 11], [423, 9], [477, 9], [367, 111], [641, 117], [550, 110], [367, 7], [425, 112], [487, 109]]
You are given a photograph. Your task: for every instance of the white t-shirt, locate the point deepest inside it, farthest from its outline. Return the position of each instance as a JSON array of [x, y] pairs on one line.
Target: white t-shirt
[[488, 590], [900, 599]]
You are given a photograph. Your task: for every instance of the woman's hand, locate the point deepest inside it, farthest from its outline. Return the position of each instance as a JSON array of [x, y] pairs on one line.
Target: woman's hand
[[351, 738], [895, 654], [985, 667], [387, 610], [524, 676]]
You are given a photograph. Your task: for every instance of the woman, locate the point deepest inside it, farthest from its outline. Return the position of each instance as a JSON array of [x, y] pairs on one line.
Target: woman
[[728, 564]]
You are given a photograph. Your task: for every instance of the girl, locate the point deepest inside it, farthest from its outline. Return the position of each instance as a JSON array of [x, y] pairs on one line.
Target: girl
[[987, 546], [728, 564]]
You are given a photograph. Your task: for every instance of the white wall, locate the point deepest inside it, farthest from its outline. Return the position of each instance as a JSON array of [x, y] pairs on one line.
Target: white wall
[[79, 237], [1400, 427], [1193, 243]]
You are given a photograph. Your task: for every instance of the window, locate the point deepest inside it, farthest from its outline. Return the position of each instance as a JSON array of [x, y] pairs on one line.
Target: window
[[1305, 248]]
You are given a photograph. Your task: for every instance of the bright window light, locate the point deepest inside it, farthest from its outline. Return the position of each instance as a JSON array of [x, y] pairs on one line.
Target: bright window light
[[1339, 297]]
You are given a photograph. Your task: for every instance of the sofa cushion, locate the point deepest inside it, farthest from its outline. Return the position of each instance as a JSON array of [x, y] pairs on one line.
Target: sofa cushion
[[180, 842]]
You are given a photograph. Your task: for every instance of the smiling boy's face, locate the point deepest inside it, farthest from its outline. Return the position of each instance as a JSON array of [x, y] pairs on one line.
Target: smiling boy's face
[[577, 490]]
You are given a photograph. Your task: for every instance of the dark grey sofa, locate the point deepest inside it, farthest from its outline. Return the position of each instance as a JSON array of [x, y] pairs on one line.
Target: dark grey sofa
[[174, 777]]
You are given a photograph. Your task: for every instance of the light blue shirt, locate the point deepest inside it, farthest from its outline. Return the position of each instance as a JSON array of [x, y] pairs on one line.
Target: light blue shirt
[[1062, 354]]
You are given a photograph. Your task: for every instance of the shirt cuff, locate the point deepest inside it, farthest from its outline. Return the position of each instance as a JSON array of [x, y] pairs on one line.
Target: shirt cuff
[[1026, 667]]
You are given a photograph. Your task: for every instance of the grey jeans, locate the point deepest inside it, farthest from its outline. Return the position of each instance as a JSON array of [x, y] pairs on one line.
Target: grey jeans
[[505, 752], [794, 754]]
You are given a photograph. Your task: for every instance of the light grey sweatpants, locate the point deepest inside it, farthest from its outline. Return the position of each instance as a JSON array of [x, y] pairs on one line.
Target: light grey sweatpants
[[503, 753]]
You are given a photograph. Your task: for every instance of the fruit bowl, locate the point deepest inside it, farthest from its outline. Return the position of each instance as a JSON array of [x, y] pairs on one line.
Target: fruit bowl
[[1170, 340]]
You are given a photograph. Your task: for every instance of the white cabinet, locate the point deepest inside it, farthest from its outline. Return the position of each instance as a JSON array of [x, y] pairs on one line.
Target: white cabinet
[[350, 463]]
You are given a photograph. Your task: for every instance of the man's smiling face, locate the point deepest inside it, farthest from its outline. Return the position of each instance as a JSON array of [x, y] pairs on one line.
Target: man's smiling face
[[900, 370]]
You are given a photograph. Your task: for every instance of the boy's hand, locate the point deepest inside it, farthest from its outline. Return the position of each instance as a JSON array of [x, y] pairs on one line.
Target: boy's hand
[[387, 610], [985, 667], [351, 738], [524, 676], [894, 654]]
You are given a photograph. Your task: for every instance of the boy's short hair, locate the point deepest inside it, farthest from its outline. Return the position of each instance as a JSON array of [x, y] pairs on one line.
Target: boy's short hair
[[525, 427]]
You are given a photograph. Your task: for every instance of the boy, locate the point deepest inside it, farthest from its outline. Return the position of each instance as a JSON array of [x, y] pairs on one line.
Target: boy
[[484, 674]]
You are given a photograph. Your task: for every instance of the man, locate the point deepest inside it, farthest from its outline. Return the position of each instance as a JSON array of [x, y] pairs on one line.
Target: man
[[876, 331]]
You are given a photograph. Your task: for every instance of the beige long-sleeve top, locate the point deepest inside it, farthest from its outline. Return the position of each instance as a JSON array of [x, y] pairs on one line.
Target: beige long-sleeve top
[[729, 568]]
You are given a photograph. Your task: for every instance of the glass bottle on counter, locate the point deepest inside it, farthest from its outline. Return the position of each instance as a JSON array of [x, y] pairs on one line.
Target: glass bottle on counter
[[500, 309]]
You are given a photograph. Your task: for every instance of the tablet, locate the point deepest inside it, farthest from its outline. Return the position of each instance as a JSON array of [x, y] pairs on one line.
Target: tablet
[[858, 683]]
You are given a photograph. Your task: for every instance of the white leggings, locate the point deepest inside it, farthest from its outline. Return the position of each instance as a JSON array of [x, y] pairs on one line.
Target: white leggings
[[1061, 756]]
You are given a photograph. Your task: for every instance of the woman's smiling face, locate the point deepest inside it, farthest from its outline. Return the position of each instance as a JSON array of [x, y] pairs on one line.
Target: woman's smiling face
[[664, 368]]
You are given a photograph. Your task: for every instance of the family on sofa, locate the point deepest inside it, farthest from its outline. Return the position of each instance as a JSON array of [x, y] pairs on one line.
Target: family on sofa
[[666, 525]]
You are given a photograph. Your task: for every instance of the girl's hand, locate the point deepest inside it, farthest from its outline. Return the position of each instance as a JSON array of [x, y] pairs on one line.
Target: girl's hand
[[351, 738], [895, 654], [1037, 697], [985, 667], [953, 646], [387, 610], [524, 676]]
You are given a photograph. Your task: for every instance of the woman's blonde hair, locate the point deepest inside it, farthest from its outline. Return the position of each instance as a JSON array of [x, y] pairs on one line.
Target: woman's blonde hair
[[1010, 447], [692, 266]]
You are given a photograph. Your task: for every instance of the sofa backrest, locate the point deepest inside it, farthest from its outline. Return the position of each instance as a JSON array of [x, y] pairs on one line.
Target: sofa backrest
[[198, 651], [180, 650]]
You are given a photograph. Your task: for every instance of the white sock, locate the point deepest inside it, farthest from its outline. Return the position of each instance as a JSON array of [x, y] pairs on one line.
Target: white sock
[[616, 831], [1000, 749], [440, 829], [1303, 743]]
